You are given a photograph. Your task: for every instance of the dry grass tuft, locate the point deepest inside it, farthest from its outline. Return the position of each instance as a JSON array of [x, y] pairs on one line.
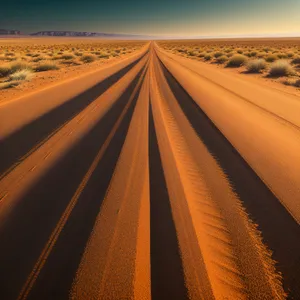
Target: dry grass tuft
[[281, 68], [25, 74], [87, 58], [9, 84], [237, 61], [222, 59], [271, 57], [296, 60], [67, 56], [46, 66], [256, 66], [207, 57]]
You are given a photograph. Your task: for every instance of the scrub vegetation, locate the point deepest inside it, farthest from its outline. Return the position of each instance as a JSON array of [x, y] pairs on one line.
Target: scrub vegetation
[[19, 62], [274, 59]]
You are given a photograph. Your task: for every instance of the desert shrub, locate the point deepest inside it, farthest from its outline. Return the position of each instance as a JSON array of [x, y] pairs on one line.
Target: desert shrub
[[296, 60], [4, 70], [67, 56], [239, 51], [202, 54], [256, 66], [25, 74], [281, 68], [207, 57], [77, 53], [253, 53], [237, 61], [261, 54], [37, 59], [271, 57], [104, 55], [87, 58], [10, 68], [218, 54], [192, 53], [297, 83], [222, 59], [282, 55], [292, 82], [290, 54], [56, 57], [46, 66], [8, 84], [18, 66]]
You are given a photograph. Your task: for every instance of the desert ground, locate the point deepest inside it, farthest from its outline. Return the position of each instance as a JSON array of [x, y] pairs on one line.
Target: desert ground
[[150, 176]]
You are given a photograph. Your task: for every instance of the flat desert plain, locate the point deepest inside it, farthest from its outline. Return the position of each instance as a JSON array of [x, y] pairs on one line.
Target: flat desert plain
[[153, 173]]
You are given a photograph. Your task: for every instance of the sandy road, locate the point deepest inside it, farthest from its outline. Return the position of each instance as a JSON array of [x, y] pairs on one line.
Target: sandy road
[[143, 183]]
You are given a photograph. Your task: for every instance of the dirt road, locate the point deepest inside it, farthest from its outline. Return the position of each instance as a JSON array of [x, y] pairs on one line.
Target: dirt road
[[154, 178]]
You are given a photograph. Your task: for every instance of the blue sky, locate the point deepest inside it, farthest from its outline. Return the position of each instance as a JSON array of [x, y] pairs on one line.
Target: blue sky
[[156, 17]]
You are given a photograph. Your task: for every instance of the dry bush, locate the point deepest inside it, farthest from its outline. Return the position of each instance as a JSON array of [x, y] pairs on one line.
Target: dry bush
[[237, 61], [282, 56], [11, 68], [221, 59], [281, 68], [87, 58], [8, 84], [218, 54], [46, 66], [256, 66], [296, 60], [271, 57], [4, 70], [202, 54], [77, 53], [37, 59], [192, 53], [297, 83], [67, 56], [207, 57], [25, 74], [19, 65]]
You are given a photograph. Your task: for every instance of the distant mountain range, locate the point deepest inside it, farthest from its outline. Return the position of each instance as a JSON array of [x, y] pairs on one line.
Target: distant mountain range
[[74, 34], [9, 32]]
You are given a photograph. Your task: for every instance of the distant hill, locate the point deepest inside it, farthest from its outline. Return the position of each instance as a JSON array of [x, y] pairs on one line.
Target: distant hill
[[9, 32], [86, 34], [76, 34]]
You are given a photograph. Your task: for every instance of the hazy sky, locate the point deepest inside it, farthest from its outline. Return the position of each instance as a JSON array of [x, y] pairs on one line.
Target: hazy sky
[[155, 17]]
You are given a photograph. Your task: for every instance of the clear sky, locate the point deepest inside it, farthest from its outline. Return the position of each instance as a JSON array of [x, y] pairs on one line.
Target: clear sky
[[184, 18]]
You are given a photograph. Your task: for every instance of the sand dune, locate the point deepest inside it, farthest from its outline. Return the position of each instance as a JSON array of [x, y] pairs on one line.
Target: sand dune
[[152, 178]]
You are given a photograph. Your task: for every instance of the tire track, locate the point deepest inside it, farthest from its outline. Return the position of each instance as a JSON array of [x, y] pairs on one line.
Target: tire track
[[15, 184], [115, 264], [279, 231], [227, 240], [266, 111], [167, 277], [138, 195], [22, 143], [268, 146], [44, 205]]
